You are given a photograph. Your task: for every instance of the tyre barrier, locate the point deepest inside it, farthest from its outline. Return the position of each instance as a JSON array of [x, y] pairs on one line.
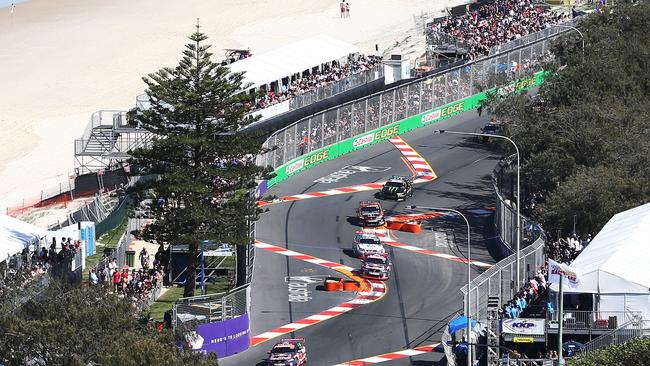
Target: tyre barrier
[[394, 225], [412, 227], [333, 284], [351, 285]]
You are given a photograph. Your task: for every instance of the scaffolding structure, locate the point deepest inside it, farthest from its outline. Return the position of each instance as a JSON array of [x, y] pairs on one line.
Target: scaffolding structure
[[107, 142]]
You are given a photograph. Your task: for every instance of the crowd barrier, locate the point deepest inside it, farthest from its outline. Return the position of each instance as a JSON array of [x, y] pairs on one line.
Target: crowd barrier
[[363, 122], [504, 182]]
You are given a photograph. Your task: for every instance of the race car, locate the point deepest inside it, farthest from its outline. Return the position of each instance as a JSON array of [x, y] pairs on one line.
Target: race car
[[376, 267], [365, 244], [288, 352], [370, 213], [492, 128], [398, 188]]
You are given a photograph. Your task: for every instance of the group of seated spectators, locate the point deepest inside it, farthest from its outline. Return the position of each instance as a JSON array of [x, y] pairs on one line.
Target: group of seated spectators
[[495, 24], [316, 80], [532, 292], [565, 250]]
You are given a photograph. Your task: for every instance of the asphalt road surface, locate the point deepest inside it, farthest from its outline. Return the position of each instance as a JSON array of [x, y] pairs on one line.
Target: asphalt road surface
[[423, 291]]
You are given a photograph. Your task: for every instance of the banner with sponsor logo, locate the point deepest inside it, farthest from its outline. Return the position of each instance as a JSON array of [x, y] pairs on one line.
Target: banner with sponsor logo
[[397, 128], [555, 270], [224, 338], [523, 326]]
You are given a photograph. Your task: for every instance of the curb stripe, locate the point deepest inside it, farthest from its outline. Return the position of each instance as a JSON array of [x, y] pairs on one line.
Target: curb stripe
[[423, 173], [393, 355], [371, 291], [384, 236]]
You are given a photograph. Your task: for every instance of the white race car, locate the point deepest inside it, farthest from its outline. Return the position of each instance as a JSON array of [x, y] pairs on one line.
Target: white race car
[[288, 352], [376, 267], [365, 244]]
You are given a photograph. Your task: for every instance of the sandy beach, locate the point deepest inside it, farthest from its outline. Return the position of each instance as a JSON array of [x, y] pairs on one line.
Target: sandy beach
[[62, 60]]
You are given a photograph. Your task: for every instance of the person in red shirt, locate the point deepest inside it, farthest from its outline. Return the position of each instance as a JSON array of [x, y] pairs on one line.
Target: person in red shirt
[[116, 280]]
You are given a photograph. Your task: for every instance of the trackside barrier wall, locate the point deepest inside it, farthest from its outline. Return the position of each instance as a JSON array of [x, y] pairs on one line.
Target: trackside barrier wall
[[363, 122]]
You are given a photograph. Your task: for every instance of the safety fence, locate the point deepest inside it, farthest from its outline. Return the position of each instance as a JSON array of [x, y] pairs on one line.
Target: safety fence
[[354, 125], [96, 210], [504, 182], [211, 308], [500, 279], [57, 192], [352, 81]]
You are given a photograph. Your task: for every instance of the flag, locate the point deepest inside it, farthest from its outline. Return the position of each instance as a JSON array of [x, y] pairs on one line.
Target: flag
[[555, 270]]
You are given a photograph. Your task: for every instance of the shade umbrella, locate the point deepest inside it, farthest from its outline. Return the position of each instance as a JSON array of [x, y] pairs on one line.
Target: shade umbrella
[[458, 323], [572, 347]]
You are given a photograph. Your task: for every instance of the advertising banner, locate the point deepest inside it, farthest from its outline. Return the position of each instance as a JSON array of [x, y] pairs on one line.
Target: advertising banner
[[555, 270], [523, 326], [523, 330], [224, 338], [397, 128]]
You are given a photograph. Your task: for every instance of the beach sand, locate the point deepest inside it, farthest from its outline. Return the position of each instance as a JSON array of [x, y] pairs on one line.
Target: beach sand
[[62, 60]]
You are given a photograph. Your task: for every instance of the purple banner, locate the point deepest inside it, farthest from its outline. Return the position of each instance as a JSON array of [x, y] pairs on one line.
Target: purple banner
[[261, 189], [224, 338]]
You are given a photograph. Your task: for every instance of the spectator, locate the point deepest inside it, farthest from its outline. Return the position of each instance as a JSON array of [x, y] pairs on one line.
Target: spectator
[[144, 258], [494, 24], [94, 280]]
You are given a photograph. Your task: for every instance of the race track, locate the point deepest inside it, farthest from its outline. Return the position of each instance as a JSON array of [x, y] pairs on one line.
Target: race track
[[423, 291]]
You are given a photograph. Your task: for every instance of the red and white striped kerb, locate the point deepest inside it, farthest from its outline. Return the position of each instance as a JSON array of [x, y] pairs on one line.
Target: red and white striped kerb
[[374, 290], [385, 238], [330, 192], [393, 355], [423, 170], [424, 173]]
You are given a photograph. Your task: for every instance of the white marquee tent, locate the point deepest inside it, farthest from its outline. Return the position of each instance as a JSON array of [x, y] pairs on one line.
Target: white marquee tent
[[16, 235], [615, 266], [293, 58]]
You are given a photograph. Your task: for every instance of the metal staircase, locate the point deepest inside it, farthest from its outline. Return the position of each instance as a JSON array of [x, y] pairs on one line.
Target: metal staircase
[[107, 141]]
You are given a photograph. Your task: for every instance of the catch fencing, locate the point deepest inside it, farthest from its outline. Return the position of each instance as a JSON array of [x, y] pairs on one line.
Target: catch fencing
[[399, 103], [504, 181], [500, 279], [210, 308]]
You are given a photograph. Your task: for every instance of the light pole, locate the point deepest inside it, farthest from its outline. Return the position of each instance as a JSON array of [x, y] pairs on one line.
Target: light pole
[[577, 30], [469, 273], [518, 247]]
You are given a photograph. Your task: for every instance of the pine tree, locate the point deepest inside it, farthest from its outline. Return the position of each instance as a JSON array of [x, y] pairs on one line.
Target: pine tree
[[201, 160]]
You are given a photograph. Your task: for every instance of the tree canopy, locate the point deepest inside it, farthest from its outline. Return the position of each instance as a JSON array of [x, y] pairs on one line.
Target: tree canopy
[[585, 138], [635, 352], [204, 164], [65, 325]]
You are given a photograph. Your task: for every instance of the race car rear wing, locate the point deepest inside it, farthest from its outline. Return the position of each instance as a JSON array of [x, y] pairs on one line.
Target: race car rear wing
[[289, 340], [401, 177]]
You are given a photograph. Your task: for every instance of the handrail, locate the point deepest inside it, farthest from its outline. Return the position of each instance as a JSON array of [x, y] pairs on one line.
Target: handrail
[[622, 334]]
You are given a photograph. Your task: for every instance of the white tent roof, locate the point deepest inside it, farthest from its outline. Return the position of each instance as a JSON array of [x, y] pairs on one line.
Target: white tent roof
[[16, 235], [290, 59], [618, 259]]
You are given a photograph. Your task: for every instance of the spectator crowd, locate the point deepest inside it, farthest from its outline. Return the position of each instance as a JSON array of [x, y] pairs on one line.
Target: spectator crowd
[[23, 269], [565, 250], [316, 80], [496, 23], [136, 284], [532, 293]]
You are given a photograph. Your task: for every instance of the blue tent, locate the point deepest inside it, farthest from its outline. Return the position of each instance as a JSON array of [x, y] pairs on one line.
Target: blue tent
[[459, 323]]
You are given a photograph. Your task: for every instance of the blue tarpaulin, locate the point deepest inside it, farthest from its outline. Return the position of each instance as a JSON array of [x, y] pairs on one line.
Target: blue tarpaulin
[[459, 323]]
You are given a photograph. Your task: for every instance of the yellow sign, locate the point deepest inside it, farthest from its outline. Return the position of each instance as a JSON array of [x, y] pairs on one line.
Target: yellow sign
[[523, 339]]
